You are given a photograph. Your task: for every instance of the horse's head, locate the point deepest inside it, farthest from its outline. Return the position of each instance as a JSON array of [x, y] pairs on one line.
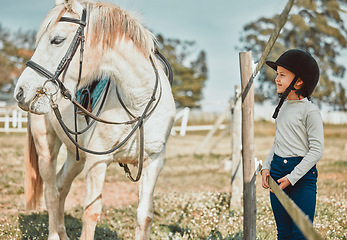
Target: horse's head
[[54, 40], [114, 41]]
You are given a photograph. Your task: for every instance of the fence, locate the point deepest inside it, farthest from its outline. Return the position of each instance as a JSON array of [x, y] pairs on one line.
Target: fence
[[12, 119], [265, 111], [185, 115], [335, 117]]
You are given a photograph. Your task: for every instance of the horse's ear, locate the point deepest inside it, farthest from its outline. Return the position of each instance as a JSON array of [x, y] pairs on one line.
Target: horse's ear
[[70, 5], [58, 2]]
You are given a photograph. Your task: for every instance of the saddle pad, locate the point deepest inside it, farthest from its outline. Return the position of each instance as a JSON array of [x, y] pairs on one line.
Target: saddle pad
[[91, 94]]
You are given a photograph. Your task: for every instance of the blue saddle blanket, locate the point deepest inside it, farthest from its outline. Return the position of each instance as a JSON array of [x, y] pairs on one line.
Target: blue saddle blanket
[[90, 95]]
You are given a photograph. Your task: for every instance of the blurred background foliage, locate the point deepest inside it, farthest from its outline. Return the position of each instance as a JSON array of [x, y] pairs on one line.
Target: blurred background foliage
[[189, 70], [15, 49]]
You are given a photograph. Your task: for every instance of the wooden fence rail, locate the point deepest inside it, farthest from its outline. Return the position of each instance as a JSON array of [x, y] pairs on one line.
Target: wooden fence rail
[[300, 219]]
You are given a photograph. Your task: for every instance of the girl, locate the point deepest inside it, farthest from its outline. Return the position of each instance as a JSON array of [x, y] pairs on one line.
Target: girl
[[299, 139]]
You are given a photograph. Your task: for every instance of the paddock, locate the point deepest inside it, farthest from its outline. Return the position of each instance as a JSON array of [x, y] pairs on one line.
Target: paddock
[[192, 197]]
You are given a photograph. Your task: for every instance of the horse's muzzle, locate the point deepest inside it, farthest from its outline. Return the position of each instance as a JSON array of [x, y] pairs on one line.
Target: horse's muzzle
[[20, 95]]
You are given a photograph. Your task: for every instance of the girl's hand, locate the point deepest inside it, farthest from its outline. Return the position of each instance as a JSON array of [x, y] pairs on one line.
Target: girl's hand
[[284, 182], [265, 173]]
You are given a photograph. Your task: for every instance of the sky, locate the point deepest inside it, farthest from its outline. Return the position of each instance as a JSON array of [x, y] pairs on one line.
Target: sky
[[215, 26]]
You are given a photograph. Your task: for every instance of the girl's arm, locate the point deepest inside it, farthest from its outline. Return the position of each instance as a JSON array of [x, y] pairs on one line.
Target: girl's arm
[[265, 170]]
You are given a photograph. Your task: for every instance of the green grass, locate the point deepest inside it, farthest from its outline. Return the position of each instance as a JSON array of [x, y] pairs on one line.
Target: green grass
[[203, 215]]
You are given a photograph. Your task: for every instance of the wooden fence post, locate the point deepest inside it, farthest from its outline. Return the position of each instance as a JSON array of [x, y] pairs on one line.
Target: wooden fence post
[[249, 193], [236, 164]]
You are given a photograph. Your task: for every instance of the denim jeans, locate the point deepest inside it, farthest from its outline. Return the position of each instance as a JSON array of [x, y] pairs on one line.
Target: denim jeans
[[303, 193]]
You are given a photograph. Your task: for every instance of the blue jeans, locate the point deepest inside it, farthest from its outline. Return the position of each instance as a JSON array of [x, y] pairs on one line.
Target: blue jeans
[[303, 193]]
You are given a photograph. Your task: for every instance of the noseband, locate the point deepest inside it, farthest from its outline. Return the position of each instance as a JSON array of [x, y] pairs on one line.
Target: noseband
[[79, 40]]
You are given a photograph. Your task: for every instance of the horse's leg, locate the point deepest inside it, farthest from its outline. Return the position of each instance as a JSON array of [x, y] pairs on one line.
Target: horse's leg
[[92, 206], [146, 189], [65, 176], [47, 146]]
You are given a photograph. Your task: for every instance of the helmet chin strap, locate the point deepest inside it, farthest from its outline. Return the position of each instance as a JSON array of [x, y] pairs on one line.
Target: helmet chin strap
[[284, 95]]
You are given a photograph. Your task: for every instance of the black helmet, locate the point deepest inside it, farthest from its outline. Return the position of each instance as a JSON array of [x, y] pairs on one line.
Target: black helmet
[[302, 64]]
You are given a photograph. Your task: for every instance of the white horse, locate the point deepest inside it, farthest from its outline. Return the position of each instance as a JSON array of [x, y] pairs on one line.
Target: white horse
[[118, 46]]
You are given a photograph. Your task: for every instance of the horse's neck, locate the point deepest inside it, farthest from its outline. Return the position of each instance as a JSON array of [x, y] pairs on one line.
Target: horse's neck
[[132, 72]]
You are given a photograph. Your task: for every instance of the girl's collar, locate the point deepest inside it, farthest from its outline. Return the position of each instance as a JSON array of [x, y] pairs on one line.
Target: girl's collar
[[298, 100]]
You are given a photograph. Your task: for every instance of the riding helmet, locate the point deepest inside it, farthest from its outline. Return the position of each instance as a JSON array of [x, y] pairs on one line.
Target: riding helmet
[[302, 64]]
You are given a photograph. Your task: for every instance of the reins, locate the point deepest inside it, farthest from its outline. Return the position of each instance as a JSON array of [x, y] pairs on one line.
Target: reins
[[79, 39]]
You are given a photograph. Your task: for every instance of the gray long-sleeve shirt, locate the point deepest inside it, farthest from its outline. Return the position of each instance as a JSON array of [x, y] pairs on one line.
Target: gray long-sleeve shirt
[[299, 132]]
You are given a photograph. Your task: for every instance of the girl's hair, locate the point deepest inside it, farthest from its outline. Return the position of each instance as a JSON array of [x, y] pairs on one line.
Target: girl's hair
[[303, 91]]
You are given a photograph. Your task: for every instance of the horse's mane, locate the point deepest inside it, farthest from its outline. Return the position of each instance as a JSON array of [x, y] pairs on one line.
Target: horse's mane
[[107, 23]]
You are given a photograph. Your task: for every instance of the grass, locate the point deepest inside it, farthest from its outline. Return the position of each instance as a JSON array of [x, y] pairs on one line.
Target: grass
[[192, 195]]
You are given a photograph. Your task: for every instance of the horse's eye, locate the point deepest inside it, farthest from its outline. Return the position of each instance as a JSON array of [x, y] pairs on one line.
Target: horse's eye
[[57, 40]]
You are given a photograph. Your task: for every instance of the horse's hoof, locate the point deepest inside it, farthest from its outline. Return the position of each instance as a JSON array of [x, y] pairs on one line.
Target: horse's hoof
[[64, 236], [54, 237]]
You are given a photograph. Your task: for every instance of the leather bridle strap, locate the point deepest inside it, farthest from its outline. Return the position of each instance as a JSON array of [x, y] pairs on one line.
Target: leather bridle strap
[[146, 112], [97, 113], [283, 96], [153, 95], [65, 61], [166, 64], [39, 69], [62, 68], [74, 20], [139, 125], [134, 118]]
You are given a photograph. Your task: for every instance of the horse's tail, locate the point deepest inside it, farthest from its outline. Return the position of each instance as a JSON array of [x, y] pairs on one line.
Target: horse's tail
[[33, 179]]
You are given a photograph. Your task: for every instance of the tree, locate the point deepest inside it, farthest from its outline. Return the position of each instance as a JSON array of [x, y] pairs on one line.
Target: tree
[[189, 72], [6, 65], [15, 50], [313, 26]]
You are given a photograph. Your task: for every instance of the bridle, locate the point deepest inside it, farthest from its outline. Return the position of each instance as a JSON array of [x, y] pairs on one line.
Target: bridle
[[79, 40]]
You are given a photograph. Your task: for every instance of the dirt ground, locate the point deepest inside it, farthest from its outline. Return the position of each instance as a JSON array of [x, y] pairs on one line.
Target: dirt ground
[[118, 190], [122, 192]]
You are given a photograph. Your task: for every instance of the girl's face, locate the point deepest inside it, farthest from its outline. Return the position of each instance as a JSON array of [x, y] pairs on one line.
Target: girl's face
[[283, 80]]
